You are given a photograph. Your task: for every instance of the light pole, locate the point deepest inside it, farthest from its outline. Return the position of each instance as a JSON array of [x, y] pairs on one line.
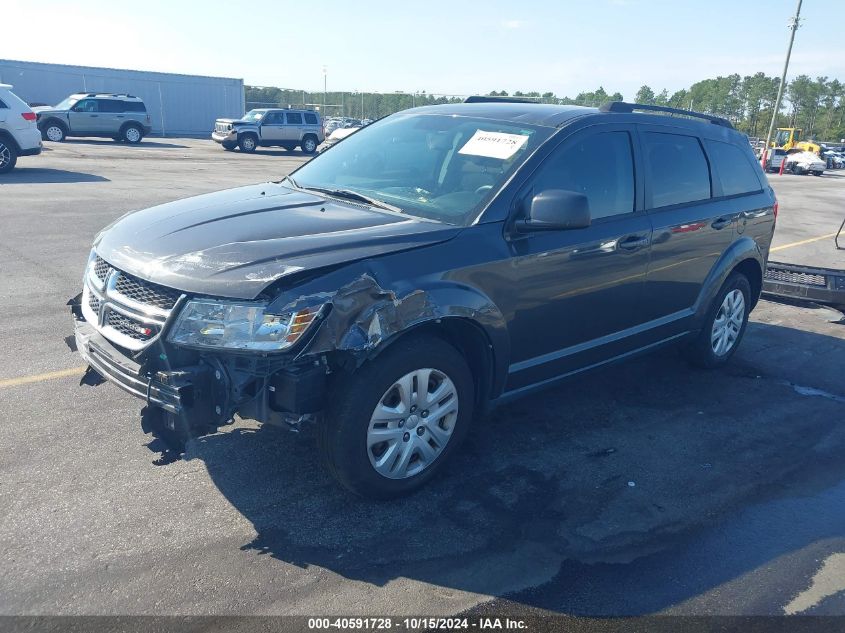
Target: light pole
[[793, 26], [325, 83]]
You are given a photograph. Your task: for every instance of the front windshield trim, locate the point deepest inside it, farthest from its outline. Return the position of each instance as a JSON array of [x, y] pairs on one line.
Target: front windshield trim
[[454, 216]]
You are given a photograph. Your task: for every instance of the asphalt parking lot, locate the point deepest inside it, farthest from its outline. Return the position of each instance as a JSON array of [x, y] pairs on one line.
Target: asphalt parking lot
[[648, 487]]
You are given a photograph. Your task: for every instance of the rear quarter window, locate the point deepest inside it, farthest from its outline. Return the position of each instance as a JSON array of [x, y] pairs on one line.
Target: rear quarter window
[[2, 104], [734, 169], [134, 106], [678, 169], [310, 119]]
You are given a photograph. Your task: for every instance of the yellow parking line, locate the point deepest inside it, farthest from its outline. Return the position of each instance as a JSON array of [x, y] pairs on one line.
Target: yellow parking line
[[808, 241], [50, 375]]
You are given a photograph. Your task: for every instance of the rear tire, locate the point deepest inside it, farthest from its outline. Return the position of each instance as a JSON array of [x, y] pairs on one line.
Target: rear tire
[[8, 156], [309, 145], [132, 134], [724, 325], [417, 441], [248, 143]]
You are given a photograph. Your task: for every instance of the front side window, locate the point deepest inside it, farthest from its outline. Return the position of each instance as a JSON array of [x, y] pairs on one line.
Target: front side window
[[736, 172], [273, 118], [86, 105], [600, 166], [678, 168], [294, 118], [440, 167]]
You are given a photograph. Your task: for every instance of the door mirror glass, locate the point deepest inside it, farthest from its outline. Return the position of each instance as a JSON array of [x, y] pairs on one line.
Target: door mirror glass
[[556, 210]]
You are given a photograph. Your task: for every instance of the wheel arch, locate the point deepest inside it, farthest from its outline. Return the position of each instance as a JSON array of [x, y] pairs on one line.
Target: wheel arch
[[8, 138], [53, 120], [745, 256]]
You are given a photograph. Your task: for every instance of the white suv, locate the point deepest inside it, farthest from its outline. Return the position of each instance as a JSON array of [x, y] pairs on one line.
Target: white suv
[[19, 134]]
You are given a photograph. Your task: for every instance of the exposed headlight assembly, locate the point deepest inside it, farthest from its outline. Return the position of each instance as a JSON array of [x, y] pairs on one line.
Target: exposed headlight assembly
[[246, 326]]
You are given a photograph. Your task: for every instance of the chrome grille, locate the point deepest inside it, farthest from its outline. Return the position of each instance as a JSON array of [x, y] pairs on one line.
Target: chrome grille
[[101, 268], [94, 303], [129, 327], [788, 276], [146, 292], [126, 309]]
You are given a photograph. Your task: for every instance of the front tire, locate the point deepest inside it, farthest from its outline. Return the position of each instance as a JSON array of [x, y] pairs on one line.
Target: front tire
[[8, 156], [54, 132], [724, 325], [394, 422], [248, 143]]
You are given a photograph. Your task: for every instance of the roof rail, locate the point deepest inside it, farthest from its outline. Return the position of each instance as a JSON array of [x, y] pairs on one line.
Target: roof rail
[[621, 106], [493, 99]]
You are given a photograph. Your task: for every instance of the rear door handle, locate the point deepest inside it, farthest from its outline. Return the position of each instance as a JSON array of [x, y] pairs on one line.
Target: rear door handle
[[94, 115], [722, 222], [633, 242]]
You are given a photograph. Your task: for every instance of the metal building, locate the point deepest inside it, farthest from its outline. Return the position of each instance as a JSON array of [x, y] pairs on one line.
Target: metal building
[[178, 104]]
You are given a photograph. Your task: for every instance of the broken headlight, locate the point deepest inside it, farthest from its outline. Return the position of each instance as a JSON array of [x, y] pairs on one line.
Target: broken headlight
[[244, 326]]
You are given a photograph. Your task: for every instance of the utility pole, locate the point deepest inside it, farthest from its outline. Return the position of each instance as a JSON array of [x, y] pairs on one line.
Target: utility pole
[[794, 23]]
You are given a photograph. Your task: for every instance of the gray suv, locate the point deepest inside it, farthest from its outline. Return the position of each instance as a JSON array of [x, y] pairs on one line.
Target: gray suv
[[122, 117], [267, 127]]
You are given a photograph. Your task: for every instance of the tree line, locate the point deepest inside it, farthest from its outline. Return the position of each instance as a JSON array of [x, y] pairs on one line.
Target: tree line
[[815, 105]]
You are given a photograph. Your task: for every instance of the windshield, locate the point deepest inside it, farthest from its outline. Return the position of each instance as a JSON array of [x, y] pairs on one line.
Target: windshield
[[440, 167], [67, 103], [254, 116]]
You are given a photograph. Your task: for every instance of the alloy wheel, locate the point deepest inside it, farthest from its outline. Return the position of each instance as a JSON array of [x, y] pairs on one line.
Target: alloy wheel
[[5, 156], [728, 323], [412, 423]]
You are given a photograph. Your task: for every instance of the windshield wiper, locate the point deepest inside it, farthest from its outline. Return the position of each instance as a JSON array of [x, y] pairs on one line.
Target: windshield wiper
[[348, 194]]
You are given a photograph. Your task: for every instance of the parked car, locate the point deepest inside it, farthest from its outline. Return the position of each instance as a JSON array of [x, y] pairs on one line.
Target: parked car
[[338, 135], [801, 162], [436, 263], [266, 127], [122, 117], [332, 125], [19, 135], [774, 157]]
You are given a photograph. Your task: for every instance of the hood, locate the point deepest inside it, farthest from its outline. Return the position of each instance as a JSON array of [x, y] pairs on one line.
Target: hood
[[236, 121], [235, 243], [43, 109]]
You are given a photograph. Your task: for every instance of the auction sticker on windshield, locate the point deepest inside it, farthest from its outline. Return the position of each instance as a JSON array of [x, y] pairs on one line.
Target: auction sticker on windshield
[[493, 144]]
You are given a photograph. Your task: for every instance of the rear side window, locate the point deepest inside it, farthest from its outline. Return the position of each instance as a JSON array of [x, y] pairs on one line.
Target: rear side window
[[294, 118], [735, 171], [600, 166], [109, 105], [679, 170], [310, 119]]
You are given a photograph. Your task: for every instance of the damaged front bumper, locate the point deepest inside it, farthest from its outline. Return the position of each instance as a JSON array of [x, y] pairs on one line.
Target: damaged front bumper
[[173, 391], [194, 398]]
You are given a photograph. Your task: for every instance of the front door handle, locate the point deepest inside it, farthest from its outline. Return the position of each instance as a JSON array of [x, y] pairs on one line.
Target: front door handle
[[633, 242], [722, 222], [94, 116]]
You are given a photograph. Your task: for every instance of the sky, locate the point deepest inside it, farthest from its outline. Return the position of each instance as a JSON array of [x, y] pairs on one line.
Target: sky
[[455, 47]]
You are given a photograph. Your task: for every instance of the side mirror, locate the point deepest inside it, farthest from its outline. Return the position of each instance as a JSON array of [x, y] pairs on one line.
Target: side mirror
[[556, 210]]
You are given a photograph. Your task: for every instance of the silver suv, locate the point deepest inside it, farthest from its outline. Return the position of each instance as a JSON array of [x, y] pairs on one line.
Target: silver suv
[[122, 117], [267, 127]]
